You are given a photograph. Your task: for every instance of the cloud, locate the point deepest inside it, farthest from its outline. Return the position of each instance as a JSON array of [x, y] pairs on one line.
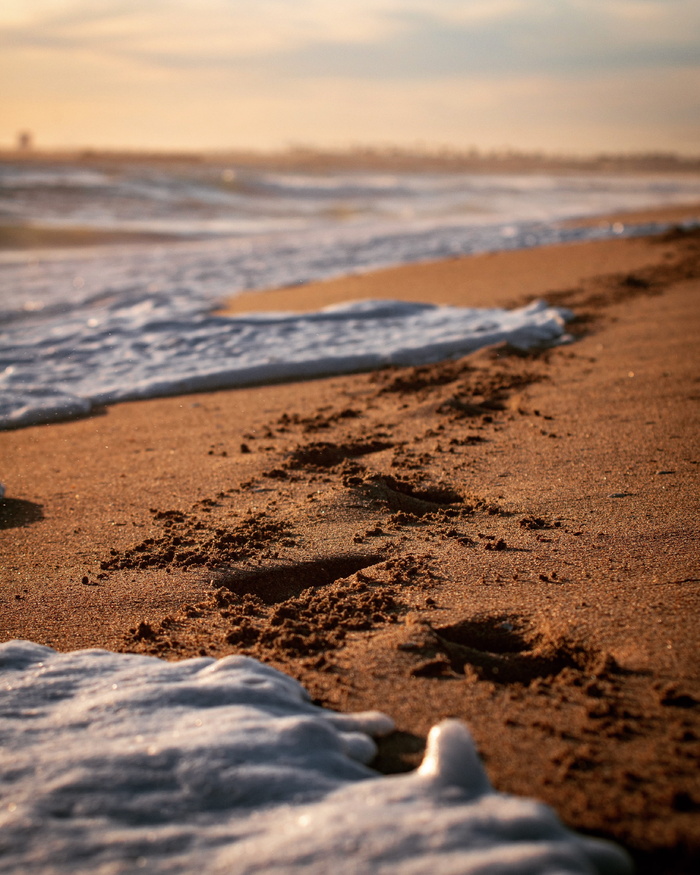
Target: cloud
[[366, 39], [564, 42], [187, 27], [482, 71]]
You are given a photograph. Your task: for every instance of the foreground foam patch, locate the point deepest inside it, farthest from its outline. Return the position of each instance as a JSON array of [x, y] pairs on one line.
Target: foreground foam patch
[[119, 762]]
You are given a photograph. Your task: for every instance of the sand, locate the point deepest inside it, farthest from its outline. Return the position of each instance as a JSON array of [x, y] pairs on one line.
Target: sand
[[13, 237], [509, 539]]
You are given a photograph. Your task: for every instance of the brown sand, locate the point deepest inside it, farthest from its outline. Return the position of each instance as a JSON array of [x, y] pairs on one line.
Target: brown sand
[[492, 279], [510, 539]]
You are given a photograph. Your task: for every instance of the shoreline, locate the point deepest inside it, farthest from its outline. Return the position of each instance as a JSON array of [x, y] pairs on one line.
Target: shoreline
[[510, 539], [371, 158], [17, 238]]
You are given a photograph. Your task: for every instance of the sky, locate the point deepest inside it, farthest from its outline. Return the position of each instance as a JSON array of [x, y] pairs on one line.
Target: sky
[[573, 76]]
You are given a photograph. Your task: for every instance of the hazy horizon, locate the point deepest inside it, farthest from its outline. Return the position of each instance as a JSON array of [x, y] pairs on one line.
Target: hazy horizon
[[575, 77]]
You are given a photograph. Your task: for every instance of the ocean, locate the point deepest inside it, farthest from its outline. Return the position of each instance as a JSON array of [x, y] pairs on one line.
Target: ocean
[[86, 327], [116, 763]]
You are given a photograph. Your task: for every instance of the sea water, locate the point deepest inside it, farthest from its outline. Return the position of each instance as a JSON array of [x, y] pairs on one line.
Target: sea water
[[117, 763], [85, 328]]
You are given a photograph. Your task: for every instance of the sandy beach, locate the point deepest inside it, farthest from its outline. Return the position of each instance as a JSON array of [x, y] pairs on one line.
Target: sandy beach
[[511, 539]]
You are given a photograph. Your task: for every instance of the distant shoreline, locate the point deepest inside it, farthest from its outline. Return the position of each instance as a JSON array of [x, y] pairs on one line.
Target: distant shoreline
[[374, 159]]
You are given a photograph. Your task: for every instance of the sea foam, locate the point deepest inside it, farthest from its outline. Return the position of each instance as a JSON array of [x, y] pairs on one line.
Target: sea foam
[[58, 367], [115, 763]]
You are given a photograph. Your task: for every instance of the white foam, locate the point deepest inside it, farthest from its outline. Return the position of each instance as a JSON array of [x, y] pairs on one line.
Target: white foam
[[116, 763], [60, 367]]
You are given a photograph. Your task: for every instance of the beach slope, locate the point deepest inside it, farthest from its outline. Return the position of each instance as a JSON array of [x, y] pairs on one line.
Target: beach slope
[[509, 538]]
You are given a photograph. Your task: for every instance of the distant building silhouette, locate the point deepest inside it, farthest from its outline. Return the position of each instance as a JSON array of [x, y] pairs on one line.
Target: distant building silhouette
[[25, 141]]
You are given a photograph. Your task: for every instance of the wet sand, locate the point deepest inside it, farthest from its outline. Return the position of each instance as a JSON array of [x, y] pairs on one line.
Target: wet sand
[[510, 539], [19, 237]]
